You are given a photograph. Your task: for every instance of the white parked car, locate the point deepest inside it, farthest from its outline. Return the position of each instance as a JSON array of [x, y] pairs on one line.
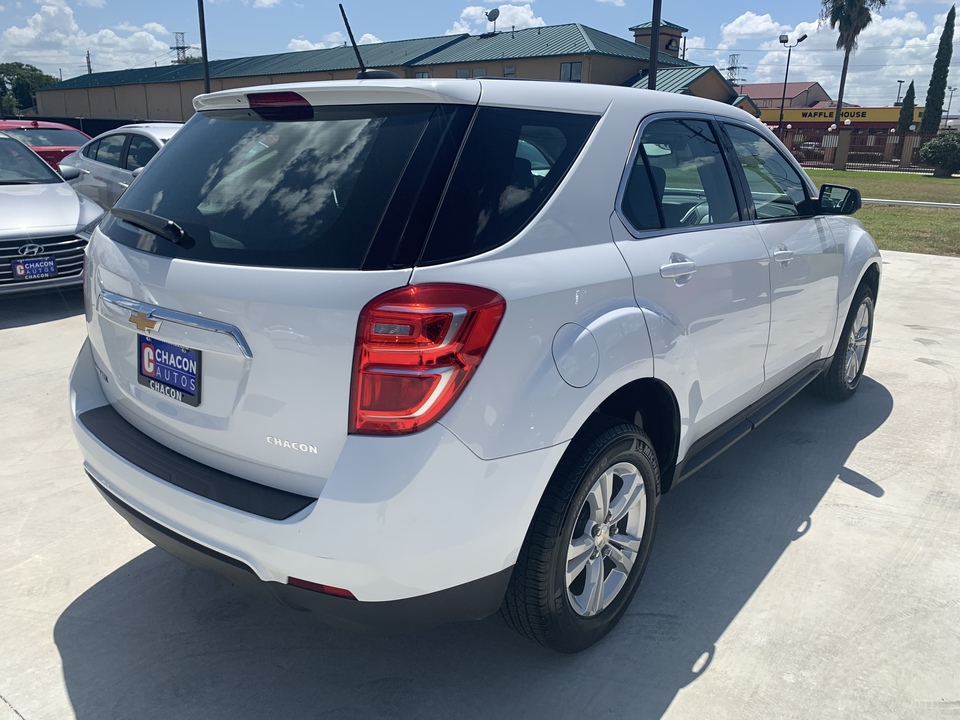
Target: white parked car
[[109, 163], [44, 224], [413, 351]]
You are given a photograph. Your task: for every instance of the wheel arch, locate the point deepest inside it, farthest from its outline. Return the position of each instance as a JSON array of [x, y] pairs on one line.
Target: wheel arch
[[650, 404]]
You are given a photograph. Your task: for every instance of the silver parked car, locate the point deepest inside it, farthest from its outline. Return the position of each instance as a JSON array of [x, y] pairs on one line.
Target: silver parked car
[[410, 351], [109, 162], [44, 223]]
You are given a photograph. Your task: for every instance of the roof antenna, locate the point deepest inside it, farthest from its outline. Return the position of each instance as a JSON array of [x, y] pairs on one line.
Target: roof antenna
[[364, 74]]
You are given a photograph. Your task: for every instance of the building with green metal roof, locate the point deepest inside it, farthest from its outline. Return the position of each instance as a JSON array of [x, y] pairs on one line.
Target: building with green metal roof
[[568, 53]]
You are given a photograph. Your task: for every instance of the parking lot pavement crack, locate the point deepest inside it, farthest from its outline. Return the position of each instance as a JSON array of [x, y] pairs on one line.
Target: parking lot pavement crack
[[12, 708]]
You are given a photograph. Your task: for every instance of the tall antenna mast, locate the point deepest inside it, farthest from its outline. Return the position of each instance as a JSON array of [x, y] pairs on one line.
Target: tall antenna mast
[[353, 42], [364, 74]]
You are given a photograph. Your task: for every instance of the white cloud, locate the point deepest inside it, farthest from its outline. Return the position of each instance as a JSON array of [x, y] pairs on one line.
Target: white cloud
[[473, 19], [52, 40], [618, 3], [330, 40], [265, 3], [92, 3], [750, 26], [889, 49]]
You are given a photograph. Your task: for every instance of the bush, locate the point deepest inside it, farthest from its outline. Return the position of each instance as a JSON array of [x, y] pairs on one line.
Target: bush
[[865, 157], [943, 152]]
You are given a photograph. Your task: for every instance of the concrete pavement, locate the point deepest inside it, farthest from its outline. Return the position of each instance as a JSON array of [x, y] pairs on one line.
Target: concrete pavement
[[811, 572]]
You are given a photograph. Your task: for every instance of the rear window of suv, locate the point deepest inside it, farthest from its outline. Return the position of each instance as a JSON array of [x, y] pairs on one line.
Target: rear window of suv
[[249, 190]]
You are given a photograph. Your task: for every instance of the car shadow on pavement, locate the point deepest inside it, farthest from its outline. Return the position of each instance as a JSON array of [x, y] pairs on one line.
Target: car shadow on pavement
[[156, 639], [39, 307]]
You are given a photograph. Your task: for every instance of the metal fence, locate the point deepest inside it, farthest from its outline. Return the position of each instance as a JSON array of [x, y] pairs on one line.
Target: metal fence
[[867, 150]]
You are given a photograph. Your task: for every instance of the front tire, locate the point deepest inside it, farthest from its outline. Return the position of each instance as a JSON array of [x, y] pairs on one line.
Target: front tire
[[589, 541], [842, 377]]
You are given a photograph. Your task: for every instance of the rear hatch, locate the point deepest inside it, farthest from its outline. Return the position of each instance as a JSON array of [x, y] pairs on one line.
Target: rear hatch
[[226, 286]]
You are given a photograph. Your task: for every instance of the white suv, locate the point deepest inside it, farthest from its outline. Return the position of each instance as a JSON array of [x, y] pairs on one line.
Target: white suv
[[410, 352]]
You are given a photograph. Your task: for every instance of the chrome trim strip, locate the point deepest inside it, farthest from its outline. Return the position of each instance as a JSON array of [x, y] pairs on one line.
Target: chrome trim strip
[[178, 318]]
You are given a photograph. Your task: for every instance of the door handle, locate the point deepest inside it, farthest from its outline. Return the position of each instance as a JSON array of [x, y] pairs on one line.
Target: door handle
[[783, 255], [124, 185], [679, 266]]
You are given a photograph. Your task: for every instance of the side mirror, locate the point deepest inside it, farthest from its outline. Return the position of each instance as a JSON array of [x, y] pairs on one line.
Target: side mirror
[[839, 200], [69, 172]]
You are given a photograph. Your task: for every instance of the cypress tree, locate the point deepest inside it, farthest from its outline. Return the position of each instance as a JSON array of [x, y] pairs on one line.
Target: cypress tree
[[906, 110], [938, 80]]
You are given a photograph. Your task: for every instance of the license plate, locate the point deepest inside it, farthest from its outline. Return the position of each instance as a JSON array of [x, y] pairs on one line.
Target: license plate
[[169, 369], [36, 268]]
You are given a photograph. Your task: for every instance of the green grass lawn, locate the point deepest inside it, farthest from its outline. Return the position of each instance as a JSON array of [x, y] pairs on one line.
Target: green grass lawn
[[934, 231], [892, 186]]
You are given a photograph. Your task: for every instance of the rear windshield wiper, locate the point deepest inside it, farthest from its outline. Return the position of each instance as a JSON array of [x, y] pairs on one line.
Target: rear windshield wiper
[[159, 226]]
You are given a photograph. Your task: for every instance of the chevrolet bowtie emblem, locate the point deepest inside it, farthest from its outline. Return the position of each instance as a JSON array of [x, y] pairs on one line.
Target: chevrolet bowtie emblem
[[142, 321]]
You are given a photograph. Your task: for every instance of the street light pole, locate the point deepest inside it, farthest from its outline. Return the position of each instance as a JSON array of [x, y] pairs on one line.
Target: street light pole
[[949, 103], [899, 89], [784, 39]]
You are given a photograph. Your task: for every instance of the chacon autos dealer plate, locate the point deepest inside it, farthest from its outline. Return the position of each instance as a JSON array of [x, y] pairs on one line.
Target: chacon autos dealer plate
[[168, 369], [38, 268]]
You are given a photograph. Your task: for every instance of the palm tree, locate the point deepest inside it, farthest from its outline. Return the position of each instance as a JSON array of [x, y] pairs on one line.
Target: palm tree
[[852, 17]]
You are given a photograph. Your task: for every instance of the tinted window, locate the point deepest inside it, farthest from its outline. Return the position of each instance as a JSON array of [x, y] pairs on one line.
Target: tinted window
[[511, 163], [140, 152], [48, 137], [304, 192], [775, 185], [90, 150], [688, 175], [110, 149], [20, 165]]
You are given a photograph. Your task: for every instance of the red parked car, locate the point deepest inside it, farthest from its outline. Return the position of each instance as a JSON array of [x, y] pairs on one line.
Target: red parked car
[[51, 141]]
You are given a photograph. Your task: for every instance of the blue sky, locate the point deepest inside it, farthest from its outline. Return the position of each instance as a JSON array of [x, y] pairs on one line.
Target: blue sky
[[900, 44]]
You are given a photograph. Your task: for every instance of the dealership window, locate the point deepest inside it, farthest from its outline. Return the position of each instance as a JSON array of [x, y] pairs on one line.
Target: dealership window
[[479, 72], [509, 70], [571, 71], [463, 74], [423, 74]]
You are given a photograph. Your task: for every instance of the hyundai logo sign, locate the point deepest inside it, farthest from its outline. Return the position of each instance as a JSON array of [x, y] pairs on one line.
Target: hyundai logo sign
[[30, 250]]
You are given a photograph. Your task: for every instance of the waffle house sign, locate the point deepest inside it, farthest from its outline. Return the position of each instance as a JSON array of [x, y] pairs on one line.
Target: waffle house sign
[[859, 117]]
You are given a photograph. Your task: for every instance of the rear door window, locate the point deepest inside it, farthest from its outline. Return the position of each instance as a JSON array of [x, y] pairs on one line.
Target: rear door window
[[304, 191], [511, 163], [679, 178], [110, 150]]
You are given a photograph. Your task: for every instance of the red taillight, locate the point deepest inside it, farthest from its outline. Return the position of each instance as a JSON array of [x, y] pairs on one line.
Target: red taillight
[[317, 587], [416, 349]]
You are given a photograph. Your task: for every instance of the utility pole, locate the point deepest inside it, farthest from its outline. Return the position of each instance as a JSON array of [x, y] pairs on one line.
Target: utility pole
[[733, 69], [89, 64], [181, 47], [654, 46]]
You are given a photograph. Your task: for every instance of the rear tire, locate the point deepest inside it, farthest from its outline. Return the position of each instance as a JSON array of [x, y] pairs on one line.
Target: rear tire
[[589, 541], [842, 377]]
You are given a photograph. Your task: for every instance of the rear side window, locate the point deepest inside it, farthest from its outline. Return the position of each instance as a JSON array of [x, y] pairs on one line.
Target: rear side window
[[680, 166], [305, 192], [511, 163], [110, 150]]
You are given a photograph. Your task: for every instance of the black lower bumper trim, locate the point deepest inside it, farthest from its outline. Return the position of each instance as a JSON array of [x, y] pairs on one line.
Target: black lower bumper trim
[[470, 601], [106, 424]]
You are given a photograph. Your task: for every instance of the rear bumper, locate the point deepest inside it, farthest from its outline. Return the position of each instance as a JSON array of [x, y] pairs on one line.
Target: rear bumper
[[417, 528], [470, 601]]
